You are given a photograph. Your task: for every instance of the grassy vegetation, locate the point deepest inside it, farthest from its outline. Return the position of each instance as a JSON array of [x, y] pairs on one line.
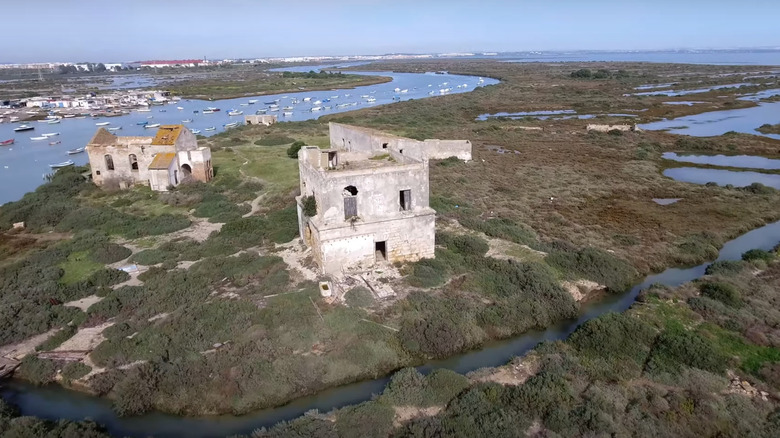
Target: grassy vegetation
[[236, 331], [660, 369], [769, 129]]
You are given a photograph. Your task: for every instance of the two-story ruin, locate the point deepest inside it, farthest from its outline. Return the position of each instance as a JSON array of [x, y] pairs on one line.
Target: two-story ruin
[[371, 193], [166, 160]]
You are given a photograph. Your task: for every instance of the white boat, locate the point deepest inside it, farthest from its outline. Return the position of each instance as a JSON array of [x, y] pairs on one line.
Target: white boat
[[244, 104], [75, 151], [287, 113], [187, 121], [195, 131], [261, 111], [231, 125], [396, 89], [317, 102], [51, 134], [179, 108], [144, 110], [316, 108], [153, 125], [102, 123], [371, 99], [208, 111], [210, 128], [69, 116], [53, 121], [253, 101], [307, 99], [63, 164], [235, 113], [404, 90], [38, 138], [287, 108], [115, 128]]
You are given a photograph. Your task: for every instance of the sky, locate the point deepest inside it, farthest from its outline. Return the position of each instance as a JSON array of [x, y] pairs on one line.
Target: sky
[[134, 30]]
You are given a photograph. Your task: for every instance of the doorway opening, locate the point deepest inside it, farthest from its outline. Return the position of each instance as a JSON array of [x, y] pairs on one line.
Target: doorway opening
[[380, 250]]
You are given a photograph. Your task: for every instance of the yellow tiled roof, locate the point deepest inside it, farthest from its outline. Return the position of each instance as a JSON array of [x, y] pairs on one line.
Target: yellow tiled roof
[[162, 161], [167, 135]]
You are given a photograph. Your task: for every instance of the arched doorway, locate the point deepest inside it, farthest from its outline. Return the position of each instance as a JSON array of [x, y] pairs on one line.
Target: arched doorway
[[186, 172]]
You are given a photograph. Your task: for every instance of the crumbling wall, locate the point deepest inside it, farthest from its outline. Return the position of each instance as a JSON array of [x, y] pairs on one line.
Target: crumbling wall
[[607, 128]]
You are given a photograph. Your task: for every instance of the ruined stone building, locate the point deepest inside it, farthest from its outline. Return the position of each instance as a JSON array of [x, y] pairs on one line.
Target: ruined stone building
[[371, 193], [166, 160]]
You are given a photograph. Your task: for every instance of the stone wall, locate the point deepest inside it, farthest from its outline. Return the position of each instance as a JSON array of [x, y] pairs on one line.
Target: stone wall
[[259, 119], [607, 128], [199, 161], [353, 246], [120, 155]]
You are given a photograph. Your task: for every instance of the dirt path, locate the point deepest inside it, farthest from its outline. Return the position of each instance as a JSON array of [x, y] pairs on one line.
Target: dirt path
[[21, 349], [84, 303]]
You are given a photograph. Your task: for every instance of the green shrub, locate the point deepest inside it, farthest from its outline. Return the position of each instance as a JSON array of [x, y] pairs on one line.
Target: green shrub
[[108, 277], [582, 73], [597, 265], [442, 386], [758, 189], [110, 253], [36, 371], [75, 370], [274, 140], [501, 228], [451, 161], [427, 273], [758, 254], [723, 292], [359, 297], [468, 245], [292, 151], [309, 206], [366, 420], [406, 388], [134, 394], [150, 257], [57, 339], [725, 267], [676, 347]]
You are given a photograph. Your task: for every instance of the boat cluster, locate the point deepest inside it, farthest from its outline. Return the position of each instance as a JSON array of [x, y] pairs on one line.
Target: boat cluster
[[50, 136]]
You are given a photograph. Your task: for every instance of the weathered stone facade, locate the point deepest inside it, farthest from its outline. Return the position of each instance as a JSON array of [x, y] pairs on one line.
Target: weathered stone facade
[[371, 191], [168, 159]]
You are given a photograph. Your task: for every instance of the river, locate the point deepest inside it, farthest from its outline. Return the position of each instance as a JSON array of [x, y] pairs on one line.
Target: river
[[23, 165]]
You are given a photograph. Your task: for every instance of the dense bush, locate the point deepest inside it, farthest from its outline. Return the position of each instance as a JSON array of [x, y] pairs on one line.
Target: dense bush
[[758, 254], [723, 292], [150, 257], [292, 151], [597, 265], [309, 206], [369, 419], [501, 228], [75, 370], [468, 245], [110, 253], [427, 273], [725, 267], [37, 371], [359, 297], [676, 347], [134, 394]]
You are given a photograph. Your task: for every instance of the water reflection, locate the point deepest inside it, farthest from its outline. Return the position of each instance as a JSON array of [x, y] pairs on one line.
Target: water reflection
[[722, 177], [746, 161]]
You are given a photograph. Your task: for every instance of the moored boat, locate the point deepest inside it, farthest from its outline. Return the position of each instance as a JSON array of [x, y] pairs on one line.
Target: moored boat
[[208, 111], [235, 113], [253, 101], [115, 128], [179, 108], [51, 134], [152, 125], [142, 123], [38, 138], [143, 110], [187, 121], [63, 164], [52, 143], [195, 131], [75, 151], [211, 128], [8, 142], [230, 125], [102, 123], [21, 128], [287, 113], [261, 111], [53, 121]]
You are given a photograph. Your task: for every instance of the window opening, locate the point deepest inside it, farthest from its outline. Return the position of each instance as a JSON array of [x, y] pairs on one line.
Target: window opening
[[109, 162], [350, 202], [133, 162], [405, 199]]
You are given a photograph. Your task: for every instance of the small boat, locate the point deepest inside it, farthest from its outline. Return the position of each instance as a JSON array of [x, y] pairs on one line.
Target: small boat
[[404, 91], [115, 128], [195, 131], [210, 128], [287, 113], [261, 111], [69, 116], [144, 110], [235, 113], [230, 125], [208, 111], [253, 101], [63, 164], [149, 117], [287, 108], [396, 89], [142, 123], [316, 108], [317, 102], [51, 134], [75, 151], [153, 125], [187, 121], [53, 121], [244, 104], [52, 143], [274, 109], [38, 138], [21, 128], [179, 108], [195, 112], [307, 99], [7, 142], [102, 123], [371, 99], [163, 111], [273, 102]]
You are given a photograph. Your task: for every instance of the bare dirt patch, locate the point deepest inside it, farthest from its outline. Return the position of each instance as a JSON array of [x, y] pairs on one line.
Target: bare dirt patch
[[406, 413], [514, 373], [84, 303], [21, 349], [86, 339]]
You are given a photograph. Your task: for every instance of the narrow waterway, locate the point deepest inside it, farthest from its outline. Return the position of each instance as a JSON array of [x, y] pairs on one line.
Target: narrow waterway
[[54, 402]]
